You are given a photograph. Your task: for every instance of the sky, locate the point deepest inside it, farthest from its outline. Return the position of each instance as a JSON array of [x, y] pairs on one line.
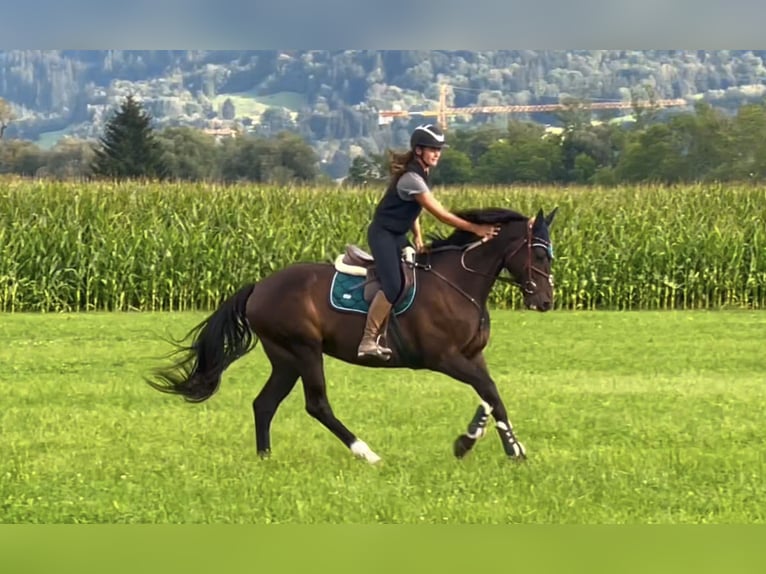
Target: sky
[[392, 24]]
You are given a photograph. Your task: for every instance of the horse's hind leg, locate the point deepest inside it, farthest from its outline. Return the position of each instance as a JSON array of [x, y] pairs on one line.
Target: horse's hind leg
[[311, 365], [281, 382]]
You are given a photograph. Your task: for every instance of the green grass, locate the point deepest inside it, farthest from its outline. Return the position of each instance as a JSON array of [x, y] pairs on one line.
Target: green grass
[[248, 104], [628, 417]]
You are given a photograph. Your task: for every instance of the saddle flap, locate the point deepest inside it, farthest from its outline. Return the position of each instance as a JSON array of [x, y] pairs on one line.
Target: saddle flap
[[357, 256]]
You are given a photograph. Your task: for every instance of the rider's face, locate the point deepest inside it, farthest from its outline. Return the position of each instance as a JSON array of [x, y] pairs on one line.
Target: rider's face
[[430, 156]]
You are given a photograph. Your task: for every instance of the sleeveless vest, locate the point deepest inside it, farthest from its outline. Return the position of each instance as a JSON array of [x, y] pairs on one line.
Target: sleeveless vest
[[395, 214]]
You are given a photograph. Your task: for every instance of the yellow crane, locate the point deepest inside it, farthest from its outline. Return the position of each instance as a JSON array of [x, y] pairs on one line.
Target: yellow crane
[[444, 111]]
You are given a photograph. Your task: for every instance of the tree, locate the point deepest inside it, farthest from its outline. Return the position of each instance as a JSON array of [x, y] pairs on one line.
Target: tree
[[575, 116], [475, 143], [20, 156], [228, 111], [533, 161], [454, 168], [651, 157], [69, 158], [749, 157], [283, 159], [189, 154], [596, 143], [365, 170], [584, 168], [275, 120], [644, 115], [295, 159], [6, 115], [240, 159], [128, 149]]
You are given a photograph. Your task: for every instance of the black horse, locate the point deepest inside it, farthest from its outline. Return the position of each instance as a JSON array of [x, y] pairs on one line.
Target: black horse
[[444, 328]]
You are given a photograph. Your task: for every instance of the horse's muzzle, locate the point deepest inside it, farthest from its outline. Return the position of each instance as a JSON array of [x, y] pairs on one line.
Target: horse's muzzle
[[542, 307]]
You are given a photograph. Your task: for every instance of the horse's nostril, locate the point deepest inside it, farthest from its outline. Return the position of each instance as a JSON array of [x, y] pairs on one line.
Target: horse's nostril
[[546, 305]]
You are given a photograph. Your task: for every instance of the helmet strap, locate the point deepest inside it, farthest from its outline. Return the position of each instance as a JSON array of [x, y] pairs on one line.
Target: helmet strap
[[423, 164]]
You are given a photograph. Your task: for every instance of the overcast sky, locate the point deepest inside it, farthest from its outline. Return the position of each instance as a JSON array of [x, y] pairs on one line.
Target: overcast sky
[[382, 24]]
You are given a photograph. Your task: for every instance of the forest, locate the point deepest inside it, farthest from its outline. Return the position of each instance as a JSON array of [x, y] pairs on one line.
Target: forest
[[704, 145], [330, 99], [323, 105]]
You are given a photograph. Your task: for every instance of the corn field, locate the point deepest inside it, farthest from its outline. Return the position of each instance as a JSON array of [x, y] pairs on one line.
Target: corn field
[[135, 246]]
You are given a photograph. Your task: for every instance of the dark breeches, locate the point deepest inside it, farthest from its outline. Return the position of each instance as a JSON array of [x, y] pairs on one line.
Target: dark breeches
[[386, 248]]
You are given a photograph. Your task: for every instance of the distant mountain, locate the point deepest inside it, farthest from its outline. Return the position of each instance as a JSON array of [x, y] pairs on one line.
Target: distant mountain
[[332, 97]]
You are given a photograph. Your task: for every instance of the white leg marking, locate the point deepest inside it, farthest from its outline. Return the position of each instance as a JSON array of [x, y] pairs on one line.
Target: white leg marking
[[518, 448], [359, 448], [522, 450], [482, 429], [502, 426]]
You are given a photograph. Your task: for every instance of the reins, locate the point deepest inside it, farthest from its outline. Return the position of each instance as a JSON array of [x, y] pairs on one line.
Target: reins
[[529, 285]]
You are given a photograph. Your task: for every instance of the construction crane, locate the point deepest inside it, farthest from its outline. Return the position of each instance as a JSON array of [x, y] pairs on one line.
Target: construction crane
[[443, 111]]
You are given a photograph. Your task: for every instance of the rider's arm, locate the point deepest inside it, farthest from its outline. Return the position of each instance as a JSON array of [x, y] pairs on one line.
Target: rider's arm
[[416, 231], [433, 206]]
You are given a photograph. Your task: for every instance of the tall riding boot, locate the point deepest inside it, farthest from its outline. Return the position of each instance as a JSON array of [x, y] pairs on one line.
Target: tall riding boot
[[376, 317]]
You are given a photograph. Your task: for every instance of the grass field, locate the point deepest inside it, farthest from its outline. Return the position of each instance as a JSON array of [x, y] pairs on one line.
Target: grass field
[[249, 104], [628, 417]]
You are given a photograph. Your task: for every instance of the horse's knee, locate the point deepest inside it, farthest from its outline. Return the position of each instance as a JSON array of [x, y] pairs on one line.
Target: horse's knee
[[320, 410]]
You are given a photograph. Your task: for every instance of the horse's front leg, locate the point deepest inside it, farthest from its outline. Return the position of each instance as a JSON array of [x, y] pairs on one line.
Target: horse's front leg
[[477, 428], [474, 372]]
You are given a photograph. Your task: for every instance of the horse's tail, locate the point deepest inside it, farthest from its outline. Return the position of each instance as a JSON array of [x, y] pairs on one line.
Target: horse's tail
[[217, 342]]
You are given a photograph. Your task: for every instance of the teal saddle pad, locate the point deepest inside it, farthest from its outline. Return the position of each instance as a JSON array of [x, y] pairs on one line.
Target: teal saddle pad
[[347, 294]]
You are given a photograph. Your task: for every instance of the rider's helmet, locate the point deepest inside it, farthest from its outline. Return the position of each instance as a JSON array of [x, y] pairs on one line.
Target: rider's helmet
[[427, 135]]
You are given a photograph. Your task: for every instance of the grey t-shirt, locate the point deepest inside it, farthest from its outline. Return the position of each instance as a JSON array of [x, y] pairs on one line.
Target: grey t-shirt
[[410, 184]]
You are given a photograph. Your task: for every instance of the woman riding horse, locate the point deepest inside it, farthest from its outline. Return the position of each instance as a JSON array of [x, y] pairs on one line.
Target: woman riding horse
[[397, 213]]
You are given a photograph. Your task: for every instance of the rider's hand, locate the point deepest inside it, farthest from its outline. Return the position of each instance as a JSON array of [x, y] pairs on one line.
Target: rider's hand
[[485, 231]]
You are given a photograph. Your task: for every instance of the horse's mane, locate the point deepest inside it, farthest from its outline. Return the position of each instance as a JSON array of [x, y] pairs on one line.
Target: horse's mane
[[459, 238]]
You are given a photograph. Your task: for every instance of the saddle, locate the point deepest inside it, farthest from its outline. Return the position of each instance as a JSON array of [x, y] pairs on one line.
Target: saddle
[[356, 261]]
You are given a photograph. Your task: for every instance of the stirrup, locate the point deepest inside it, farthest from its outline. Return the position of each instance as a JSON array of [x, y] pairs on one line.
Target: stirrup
[[377, 351], [384, 350]]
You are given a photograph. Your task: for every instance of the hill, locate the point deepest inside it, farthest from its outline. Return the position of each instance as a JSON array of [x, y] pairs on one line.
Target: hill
[[332, 97]]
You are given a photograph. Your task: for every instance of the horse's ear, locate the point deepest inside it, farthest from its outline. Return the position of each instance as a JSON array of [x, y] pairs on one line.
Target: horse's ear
[[540, 220], [550, 216]]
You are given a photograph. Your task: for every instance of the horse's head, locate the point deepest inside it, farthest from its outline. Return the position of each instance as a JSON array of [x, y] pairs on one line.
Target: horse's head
[[529, 263], [523, 247]]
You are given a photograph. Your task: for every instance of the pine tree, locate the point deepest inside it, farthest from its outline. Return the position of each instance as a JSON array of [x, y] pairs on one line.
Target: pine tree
[[128, 148]]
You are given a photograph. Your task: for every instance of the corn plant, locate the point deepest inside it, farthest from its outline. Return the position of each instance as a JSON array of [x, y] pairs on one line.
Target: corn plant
[[186, 246]]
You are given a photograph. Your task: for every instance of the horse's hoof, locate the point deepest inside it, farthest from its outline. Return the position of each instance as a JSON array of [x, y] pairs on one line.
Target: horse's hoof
[[519, 458], [463, 444], [360, 449], [264, 453]]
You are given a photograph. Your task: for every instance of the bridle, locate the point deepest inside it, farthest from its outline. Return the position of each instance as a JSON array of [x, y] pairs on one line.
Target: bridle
[[529, 286], [531, 241]]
